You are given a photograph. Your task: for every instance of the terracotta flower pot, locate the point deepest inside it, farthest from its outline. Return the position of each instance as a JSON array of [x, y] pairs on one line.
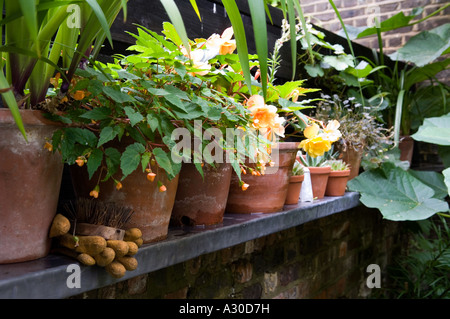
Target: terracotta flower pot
[[294, 188], [152, 208], [266, 193], [201, 201], [353, 158], [337, 183], [30, 181], [406, 146], [319, 180]]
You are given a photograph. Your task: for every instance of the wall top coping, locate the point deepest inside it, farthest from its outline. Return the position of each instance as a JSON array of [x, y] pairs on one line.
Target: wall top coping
[[46, 278]]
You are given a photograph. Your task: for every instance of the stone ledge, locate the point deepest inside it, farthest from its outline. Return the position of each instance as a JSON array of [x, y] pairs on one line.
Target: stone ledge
[[46, 277]]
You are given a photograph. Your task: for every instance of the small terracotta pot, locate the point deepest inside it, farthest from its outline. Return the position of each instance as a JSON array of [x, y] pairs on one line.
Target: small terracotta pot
[[152, 208], [319, 180], [295, 186], [201, 201], [337, 183], [266, 193], [30, 182]]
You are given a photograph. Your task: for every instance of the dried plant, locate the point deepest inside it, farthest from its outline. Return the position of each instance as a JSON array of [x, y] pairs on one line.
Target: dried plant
[[359, 125]]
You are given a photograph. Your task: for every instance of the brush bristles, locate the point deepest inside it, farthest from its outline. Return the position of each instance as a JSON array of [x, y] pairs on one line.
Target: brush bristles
[[98, 213]]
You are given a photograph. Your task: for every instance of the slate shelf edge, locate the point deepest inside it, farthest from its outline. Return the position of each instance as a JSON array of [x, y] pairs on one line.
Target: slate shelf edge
[[46, 278]]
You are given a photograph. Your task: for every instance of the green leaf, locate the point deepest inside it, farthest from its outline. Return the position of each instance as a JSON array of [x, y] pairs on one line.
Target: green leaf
[[446, 173], [117, 95], [107, 134], [145, 160], [112, 160], [397, 194], [432, 179], [177, 21], [97, 114], [101, 18], [11, 102], [164, 161], [258, 15], [340, 62], [131, 158], [434, 130], [135, 117], [424, 47], [241, 42], [94, 161]]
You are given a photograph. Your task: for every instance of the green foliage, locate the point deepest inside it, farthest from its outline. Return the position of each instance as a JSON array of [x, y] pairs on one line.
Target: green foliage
[[297, 169], [337, 165], [39, 38], [359, 124], [143, 98], [397, 194], [422, 273]]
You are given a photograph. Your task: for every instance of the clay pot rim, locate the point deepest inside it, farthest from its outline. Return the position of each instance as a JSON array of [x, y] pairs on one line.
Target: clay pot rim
[[286, 145], [296, 178], [340, 173], [29, 117], [320, 169]]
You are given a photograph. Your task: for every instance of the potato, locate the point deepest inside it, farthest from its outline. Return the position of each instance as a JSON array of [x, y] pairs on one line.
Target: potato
[[119, 246], [60, 226], [105, 257], [91, 245], [116, 269], [86, 259], [132, 234], [130, 263], [132, 248]]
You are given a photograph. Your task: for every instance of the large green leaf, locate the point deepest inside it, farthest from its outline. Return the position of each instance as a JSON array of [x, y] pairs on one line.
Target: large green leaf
[[434, 130], [446, 173], [425, 47], [397, 194]]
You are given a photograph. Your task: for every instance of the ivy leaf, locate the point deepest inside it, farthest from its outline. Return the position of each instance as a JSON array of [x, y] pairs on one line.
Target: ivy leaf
[[94, 161], [397, 194], [131, 158]]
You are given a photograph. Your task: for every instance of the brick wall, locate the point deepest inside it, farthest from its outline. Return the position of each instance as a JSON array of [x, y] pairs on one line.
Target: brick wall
[[360, 13], [326, 258]]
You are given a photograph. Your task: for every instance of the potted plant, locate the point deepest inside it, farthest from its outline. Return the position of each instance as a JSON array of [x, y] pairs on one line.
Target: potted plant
[[318, 146], [295, 184], [337, 180], [140, 119], [364, 138], [38, 39], [273, 165], [400, 74]]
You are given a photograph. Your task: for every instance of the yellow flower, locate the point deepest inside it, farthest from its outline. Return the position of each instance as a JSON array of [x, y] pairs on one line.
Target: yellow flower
[[311, 131], [316, 146]]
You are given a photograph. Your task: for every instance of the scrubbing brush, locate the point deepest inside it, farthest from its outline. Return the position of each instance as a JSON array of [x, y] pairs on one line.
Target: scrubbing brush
[[93, 217]]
